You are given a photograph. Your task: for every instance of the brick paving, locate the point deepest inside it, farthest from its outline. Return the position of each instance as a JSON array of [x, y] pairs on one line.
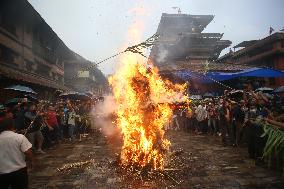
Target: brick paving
[[195, 161]]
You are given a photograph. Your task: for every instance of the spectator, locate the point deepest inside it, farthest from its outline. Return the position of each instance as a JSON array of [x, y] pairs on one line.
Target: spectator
[[71, 116], [223, 119], [52, 123], [15, 148], [34, 129], [20, 116], [201, 115], [238, 120], [212, 118]]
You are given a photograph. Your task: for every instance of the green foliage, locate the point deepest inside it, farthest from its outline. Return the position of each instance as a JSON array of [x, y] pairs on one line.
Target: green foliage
[[274, 146]]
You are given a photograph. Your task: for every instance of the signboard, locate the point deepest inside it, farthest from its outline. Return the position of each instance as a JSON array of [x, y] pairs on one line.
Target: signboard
[[83, 74]]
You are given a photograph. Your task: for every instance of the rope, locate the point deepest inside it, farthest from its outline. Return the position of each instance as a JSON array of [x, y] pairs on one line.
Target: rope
[[136, 49], [92, 66]]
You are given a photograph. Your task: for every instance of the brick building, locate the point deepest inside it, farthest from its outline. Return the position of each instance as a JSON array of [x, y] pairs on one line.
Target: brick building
[[30, 51], [266, 52], [91, 80]]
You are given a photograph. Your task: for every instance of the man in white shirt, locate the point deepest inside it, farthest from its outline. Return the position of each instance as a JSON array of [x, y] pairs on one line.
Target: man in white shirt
[[14, 149], [201, 115]]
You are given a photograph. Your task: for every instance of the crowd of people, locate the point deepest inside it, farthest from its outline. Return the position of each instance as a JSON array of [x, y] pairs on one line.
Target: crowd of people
[[235, 118], [32, 128]]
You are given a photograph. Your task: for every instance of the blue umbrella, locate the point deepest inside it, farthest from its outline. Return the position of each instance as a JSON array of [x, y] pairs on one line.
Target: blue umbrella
[[21, 88]]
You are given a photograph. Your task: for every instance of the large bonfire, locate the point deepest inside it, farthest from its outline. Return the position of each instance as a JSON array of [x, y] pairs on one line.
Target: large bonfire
[[144, 107], [144, 102]]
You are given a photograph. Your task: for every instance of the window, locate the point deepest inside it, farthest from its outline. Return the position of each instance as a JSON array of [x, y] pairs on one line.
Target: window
[[43, 69], [260, 50], [29, 65], [7, 55], [8, 24]]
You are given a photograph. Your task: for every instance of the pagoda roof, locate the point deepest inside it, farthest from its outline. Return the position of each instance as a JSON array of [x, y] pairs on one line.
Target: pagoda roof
[[173, 24], [181, 39], [195, 48]]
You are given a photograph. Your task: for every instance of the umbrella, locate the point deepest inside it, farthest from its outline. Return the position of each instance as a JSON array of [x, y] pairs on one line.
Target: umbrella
[[90, 94], [14, 101], [84, 96], [208, 95], [21, 88], [195, 97], [30, 97], [75, 95], [279, 89], [264, 89]]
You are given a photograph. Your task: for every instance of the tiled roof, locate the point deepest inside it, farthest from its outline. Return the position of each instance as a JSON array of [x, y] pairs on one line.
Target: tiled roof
[[213, 66]]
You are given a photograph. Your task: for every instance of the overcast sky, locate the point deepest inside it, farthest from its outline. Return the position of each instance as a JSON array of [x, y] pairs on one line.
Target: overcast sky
[[97, 29]]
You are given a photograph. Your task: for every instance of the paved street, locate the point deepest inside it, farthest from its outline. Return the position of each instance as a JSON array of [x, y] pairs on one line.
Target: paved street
[[194, 162]]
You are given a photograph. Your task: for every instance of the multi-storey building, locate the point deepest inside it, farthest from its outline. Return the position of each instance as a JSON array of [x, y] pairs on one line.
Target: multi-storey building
[[79, 78], [267, 52], [30, 51]]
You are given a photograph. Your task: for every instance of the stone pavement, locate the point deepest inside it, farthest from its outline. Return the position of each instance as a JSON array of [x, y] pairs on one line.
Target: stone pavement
[[195, 161]]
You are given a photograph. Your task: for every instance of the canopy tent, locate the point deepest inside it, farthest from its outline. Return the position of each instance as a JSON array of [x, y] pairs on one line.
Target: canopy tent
[[210, 77]]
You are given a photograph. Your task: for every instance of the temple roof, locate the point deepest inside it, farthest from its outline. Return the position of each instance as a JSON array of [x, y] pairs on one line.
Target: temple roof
[[181, 39], [182, 23]]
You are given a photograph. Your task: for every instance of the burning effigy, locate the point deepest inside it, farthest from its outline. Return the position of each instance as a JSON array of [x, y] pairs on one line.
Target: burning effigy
[[144, 106]]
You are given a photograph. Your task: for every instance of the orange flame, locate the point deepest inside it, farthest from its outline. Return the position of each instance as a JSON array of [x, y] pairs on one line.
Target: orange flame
[[144, 107], [144, 100]]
